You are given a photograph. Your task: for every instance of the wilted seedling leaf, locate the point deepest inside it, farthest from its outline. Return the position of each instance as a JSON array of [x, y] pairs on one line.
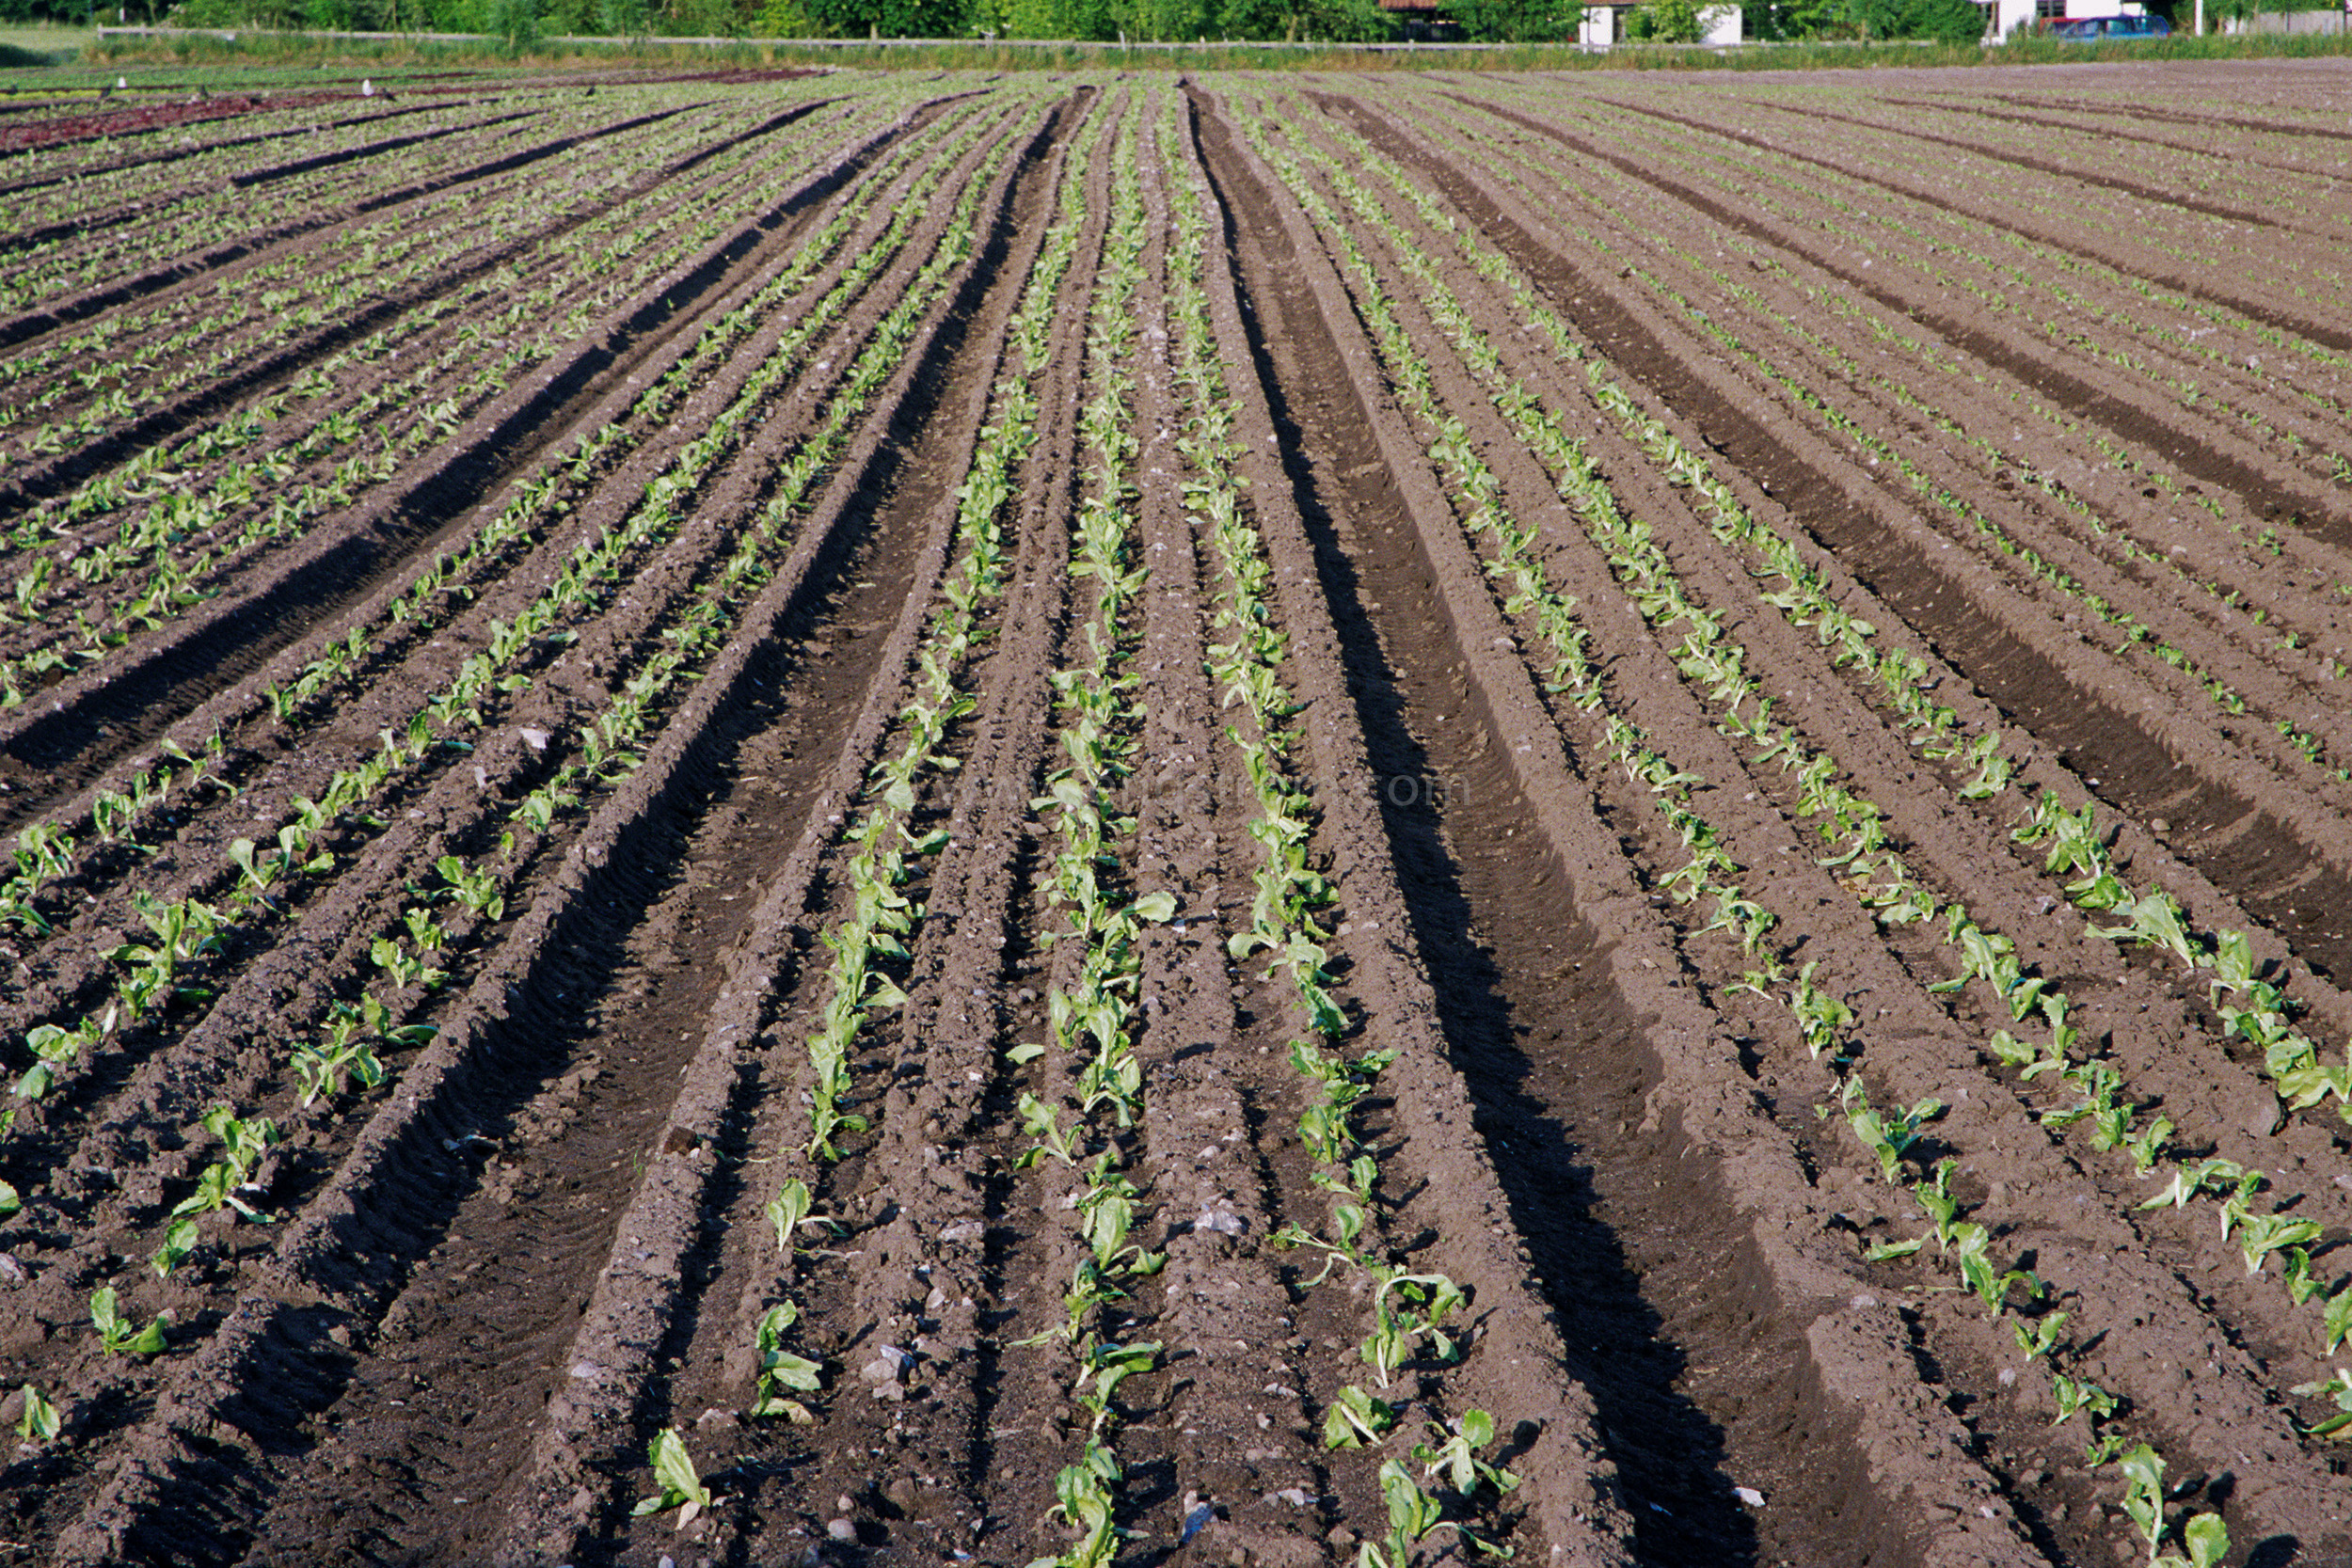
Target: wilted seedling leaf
[[1356, 1420], [790, 1209], [681, 1488], [42, 1421]]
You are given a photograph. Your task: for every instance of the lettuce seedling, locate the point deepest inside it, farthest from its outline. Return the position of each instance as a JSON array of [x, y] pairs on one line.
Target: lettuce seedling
[[674, 1468], [115, 1333]]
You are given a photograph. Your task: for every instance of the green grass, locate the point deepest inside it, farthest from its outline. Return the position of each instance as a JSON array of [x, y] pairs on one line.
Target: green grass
[[30, 44]]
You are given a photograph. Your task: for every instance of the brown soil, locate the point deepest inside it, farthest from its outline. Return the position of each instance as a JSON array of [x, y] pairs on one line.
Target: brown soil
[[487, 1283]]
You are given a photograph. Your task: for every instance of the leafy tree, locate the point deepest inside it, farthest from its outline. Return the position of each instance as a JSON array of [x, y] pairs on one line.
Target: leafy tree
[[1177, 19], [1947, 20], [896, 19], [1795, 19], [1516, 20], [1665, 21], [512, 23]]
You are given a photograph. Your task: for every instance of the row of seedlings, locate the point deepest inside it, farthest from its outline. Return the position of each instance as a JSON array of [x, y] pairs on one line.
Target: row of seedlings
[[2138, 639], [1443, 1488], [1935, 238], [133, 361], [884, 851], [73, 187], [451, 580], [2108, 1112], [281, 209], [175, 215], [588, 240], [1710, 874], [2164, 323], [2150, 918], [268, 304], [590, 573], [1901, 901], [1902, 682], [175, 534], [611, 747], [133, 817], [1082, 1126], [2228, 688]]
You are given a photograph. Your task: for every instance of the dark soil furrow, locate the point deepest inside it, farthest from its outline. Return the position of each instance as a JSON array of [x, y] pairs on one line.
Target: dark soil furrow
[[1439, 697], [23, 328], [2146, 763], [130, 698], [500, 1061], [653, 1299], [1589, 1500]]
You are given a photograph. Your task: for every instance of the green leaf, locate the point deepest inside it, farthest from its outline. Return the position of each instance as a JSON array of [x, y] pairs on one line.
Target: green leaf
[[1155, 908], [2339, 1317], [673, 1467], [1028, 1051], [42, 1421], [2207, 1539], [2143, 1491], [788, 1371]]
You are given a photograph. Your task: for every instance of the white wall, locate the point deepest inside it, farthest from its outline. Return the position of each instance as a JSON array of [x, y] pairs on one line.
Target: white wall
[[1718, 23]]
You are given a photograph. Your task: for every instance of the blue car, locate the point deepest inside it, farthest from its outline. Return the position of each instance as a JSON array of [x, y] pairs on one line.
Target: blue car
[[2090, 29]]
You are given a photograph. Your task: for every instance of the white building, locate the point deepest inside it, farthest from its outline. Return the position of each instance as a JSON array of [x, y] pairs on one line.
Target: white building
[[1604, 24]]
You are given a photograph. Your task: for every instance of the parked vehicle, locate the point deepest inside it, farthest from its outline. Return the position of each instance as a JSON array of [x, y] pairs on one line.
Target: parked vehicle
[[2091, 29]]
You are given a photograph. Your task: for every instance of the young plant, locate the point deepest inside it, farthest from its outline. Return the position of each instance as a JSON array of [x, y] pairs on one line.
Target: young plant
[[1356, 1420], [781, 1370], [116, 1334], [1455, 1457], [179, 1244], [1407, 1309], [1087, 1503], [41, 1420], [2336, 1385], [674, 1471], [2205, 1535]]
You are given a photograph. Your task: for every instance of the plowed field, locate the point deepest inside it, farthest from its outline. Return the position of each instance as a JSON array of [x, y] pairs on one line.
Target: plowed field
[[782, 819]]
